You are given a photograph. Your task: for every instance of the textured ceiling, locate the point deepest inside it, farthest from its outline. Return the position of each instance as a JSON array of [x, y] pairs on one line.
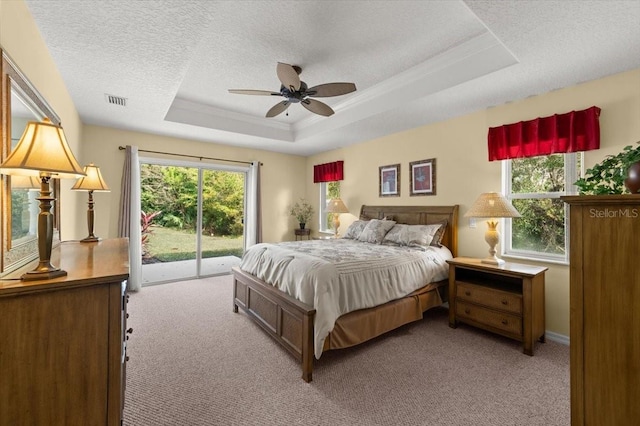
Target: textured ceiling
[[414, 62]]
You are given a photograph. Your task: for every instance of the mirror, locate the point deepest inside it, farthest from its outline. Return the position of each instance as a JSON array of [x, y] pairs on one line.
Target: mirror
[[21, 103]]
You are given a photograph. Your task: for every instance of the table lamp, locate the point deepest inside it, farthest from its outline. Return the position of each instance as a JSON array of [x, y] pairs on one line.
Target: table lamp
[[336, 206], [43, 151], [492, 205], [91, 182]]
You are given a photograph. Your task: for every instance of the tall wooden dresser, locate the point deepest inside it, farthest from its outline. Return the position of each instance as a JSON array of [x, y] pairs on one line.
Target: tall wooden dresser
[[605, 309], [62, 349]]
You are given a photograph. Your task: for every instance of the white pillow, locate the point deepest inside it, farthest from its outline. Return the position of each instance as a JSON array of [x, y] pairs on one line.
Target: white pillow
[[355, 229], [397, 235], [421, 235], [375, 231]]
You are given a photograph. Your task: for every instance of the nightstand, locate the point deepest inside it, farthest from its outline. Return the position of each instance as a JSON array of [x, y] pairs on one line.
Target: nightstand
[[506, 299], [302, 233]]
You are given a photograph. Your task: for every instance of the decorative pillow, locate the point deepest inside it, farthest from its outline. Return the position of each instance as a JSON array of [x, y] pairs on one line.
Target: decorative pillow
[[375, 231], [421, 235], [355, 229], [439, 235], [397, 235]]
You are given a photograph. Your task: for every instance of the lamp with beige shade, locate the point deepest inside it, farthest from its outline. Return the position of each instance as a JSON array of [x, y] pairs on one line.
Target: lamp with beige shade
[[43, 151], [91, 182], [493, 206], [336, 206]]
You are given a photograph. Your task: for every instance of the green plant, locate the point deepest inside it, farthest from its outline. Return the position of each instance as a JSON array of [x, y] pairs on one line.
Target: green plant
[[145, 229], [302, 211], [607, 177], [174, 190]]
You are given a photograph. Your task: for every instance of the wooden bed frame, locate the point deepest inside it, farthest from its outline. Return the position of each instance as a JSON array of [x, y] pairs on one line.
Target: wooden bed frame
[[289, 321]]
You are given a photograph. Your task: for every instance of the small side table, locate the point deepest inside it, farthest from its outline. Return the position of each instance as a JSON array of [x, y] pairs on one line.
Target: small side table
[[507, 299], [300, 233]]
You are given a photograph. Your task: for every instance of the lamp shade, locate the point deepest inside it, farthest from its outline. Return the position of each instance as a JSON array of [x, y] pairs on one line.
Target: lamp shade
[[43, 148], [492, 205], [25, 182], [336, 206], [92, 181]]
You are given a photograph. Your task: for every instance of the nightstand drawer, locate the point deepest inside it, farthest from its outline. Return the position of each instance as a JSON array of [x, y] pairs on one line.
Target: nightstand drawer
[[493, 298], [502, 321]]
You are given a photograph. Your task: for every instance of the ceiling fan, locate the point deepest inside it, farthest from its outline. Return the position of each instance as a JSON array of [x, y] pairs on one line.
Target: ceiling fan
[[296, 91]]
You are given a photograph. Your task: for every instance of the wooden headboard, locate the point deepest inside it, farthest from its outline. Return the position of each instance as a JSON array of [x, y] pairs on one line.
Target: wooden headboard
[[419, 215]]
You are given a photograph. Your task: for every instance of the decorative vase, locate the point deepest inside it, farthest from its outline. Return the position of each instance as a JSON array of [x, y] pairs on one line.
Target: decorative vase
[[632, 182], [302, 225]]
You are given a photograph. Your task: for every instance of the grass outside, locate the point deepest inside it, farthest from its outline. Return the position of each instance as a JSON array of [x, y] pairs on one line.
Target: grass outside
[[170, 245]]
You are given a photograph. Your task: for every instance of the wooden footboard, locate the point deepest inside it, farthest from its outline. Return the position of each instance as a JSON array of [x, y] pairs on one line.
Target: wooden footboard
[[287, 320]]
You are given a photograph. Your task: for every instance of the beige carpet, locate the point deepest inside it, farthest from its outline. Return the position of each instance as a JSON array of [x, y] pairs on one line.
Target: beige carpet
[[194, 362]]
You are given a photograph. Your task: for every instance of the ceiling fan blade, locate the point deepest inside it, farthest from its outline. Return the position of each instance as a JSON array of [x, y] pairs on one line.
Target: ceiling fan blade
[[254, 92], [278, 108], [317, 107], [330, 89], [288, 76]]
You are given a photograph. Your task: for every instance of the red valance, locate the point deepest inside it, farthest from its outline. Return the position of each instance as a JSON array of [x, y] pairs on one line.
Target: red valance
[[560, 133], [328, 172]]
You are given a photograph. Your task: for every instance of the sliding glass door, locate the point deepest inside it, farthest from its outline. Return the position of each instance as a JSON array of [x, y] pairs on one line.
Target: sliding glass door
[[222, 222], [192, 220]]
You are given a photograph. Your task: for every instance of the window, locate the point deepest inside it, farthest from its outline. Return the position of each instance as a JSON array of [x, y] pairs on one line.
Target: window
[[328, 191], [534, 185]]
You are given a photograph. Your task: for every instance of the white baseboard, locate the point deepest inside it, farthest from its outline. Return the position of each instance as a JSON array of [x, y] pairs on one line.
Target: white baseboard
[[558, 338]]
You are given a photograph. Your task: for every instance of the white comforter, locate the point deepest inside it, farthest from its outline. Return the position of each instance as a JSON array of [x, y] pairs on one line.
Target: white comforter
[[340, 276]]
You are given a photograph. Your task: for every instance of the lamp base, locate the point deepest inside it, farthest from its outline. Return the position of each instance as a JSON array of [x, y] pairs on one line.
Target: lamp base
[[493, 261], [90, 239], [45, 270], [46, 273], [336, 225]]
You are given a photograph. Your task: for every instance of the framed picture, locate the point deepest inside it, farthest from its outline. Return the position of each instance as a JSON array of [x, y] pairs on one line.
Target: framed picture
[[422, 175], [389, 179]]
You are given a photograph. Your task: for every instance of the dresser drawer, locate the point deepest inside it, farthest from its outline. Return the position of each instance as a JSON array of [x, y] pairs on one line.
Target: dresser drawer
[[491, 297], [508, 323]]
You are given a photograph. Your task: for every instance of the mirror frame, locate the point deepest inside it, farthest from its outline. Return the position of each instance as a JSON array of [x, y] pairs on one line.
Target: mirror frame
[[13, 257]]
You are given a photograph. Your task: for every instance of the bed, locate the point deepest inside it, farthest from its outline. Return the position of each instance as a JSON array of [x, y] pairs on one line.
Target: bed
[[292, 322]]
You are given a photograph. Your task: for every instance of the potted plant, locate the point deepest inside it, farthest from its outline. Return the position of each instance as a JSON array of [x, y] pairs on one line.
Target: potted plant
[[302, 211], [614, 175]]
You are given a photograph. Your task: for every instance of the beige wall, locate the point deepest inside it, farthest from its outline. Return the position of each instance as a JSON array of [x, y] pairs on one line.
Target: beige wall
[[20, 38], [280, 174], [463, 171]]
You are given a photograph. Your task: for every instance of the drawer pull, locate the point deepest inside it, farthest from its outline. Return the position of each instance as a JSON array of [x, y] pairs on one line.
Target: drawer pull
[[467, 311], [505, 322], [505, 302], [130, 331], [467, 293]]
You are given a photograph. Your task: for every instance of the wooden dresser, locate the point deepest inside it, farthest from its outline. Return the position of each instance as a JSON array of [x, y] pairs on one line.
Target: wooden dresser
[[62, 349], [605, 309], [506, 299]]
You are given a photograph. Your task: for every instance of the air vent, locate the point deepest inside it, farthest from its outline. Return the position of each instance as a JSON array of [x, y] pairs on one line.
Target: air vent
[[116, 100]]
